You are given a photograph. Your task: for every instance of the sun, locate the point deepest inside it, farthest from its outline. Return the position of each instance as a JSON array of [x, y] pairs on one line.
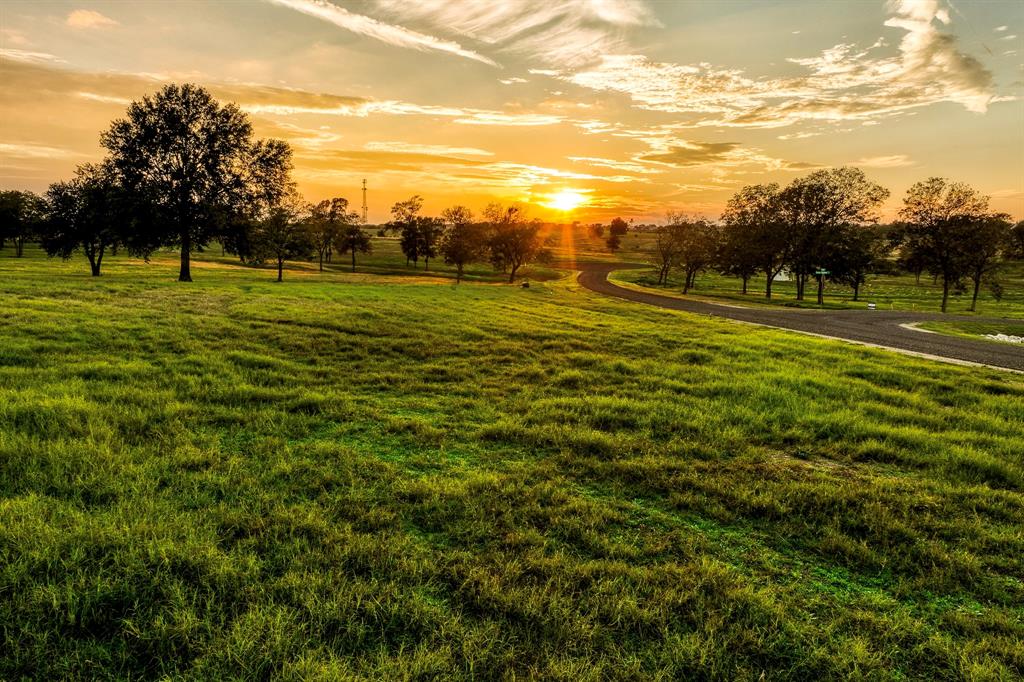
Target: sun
[[566, 200]]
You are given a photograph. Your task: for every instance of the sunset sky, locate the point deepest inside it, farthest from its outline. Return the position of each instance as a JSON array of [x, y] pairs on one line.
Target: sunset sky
[[633, 108]]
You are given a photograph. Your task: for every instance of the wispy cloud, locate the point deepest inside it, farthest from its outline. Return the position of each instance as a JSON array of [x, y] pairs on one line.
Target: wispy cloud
[[28, 57], [88, 19], [560, 32], [892, 161], [411, 147], [34, 151], [387, 33], [627, 166]]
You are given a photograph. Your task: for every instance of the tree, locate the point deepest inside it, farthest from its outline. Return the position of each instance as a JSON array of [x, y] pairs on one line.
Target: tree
[[84, 213], [21, 217], [990, 240], [816, 208], [753, 217], [428, 232], [193, 170], [618, 227], [514, 240], [351, 240], [1016, 244], [697, 246], [613, 242], [938, 219], [463, 241], [327, 221], [737, 254], [667, 243], [404, 219], [855, 252], [282, 234]]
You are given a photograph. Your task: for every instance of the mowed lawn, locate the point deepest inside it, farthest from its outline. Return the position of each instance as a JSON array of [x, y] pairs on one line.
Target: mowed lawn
[[367, 476]]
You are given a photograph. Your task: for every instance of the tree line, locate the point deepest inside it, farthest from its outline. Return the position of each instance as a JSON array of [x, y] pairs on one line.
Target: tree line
[[183, 171], [825, 228]]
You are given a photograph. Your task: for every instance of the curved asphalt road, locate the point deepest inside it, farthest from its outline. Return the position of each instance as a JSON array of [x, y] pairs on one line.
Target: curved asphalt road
[[873, 327]]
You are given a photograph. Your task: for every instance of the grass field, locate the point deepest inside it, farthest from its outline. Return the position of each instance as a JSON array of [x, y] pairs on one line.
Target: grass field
[[383, 477]]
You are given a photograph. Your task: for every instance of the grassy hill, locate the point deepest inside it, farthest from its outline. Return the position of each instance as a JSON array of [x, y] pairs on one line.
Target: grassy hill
[[375, 476]]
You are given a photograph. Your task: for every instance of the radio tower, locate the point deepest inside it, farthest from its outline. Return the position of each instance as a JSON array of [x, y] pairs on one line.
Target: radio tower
[[364, 201]]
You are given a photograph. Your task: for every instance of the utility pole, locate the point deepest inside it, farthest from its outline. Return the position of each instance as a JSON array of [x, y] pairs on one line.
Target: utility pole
[[364, 201]]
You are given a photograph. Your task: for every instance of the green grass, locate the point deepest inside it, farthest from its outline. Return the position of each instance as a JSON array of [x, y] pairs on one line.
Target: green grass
[[975, 330], [361, 476]]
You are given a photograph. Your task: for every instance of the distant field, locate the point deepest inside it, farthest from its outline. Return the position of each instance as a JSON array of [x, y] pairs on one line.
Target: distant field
[[392, 477]]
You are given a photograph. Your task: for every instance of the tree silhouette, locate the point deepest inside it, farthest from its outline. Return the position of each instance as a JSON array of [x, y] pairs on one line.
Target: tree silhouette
[[282, 234], [752, 217], [85, 213], [352, 239], [428, 232], [405, 219], [816, 208], [193, 170], [514, 240], [463, 242], [327, 220], [21, 217], [939, 227]]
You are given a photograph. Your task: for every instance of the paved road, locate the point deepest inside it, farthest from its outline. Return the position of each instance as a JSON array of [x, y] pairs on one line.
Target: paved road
[[874, 327]]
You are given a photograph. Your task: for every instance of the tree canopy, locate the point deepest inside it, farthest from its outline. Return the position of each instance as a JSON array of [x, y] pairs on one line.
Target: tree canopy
[[87, 213], [193, 170]]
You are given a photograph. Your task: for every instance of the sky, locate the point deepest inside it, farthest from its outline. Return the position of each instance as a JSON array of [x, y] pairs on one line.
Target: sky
[[581, 109]]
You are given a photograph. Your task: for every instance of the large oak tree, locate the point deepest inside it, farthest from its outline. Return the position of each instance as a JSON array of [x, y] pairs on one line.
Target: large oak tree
[[193, 169]]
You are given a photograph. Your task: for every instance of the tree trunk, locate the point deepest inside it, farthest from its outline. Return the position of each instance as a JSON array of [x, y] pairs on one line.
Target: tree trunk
[[185, 273], [801, 281], [353, 259], [94, 265], [280, 268], [856, 290], [321, 260], [769, 276], [745, 278], [512, 274], [19, 247], [974, 298], [458, 273], [426, 263], [821, 289], [945, 292], [99, 262]]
